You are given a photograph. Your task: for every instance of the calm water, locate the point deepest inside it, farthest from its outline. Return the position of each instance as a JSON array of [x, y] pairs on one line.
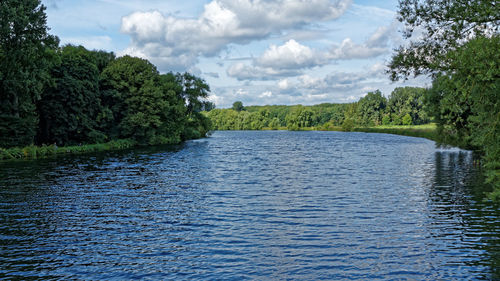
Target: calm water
[[252, 205]]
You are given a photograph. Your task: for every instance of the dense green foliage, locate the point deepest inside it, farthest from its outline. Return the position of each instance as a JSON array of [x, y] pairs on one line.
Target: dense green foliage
[[69, 107], [460, 50], [403, 106], [139, 104], [26, 52], [69, 95]]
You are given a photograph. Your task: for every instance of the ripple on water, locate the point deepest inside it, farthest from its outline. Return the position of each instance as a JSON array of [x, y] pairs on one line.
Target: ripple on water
[[251, 205]]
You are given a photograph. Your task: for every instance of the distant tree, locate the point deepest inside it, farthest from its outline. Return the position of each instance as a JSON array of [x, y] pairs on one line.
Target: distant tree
[[207, 106], [238, 106], [408, 100], [102, 59], [386, 119], [370, 108], [300, 117], [194, 92], [26, 54], [407, 119], [274, 124]]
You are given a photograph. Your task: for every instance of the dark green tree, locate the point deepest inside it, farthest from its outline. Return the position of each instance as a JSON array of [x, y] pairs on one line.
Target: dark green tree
[[407, 100], [207, 106], [300, 117], [68, 109], [26, 53], [194, 92], [238, 106], [138, 104], [370, 108]]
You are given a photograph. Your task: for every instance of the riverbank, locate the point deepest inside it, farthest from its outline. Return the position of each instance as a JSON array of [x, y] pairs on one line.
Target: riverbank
[[45, 151], [39, 152], [427, 131]]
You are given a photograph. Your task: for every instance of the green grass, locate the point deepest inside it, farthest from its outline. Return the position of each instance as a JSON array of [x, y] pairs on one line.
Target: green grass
[[44, 151], [428, 131]]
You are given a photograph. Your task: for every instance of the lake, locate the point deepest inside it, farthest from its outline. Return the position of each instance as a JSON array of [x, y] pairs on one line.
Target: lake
[[245, 205]]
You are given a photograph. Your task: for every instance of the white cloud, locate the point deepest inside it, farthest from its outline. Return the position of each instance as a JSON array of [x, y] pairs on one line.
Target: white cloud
[[163, 39], [290, 55], [292, 58], [350, 50], [283, 84], [266, 94]]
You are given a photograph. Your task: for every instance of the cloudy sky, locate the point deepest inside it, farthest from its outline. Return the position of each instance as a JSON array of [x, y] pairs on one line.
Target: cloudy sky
[[256, 51]]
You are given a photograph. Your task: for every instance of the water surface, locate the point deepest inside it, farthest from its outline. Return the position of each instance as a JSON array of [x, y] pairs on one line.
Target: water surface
[[252, 205]]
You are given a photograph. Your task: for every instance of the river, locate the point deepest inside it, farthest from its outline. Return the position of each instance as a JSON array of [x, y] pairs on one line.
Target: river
[[246, 205]]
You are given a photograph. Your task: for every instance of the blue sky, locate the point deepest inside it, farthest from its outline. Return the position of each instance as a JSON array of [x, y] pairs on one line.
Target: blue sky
[[256, 51]]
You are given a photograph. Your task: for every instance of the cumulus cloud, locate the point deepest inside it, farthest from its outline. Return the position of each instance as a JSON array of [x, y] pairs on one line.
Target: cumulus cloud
[[163, 38], [290, 55], [377, 44], [334, 87], [291, 58], [350, 50]]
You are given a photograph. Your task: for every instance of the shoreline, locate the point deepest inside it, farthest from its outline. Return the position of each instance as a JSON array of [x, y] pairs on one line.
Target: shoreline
[[32, 152]]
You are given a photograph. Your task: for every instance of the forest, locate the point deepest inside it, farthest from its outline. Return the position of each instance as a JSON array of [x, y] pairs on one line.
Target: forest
[[405, 106], [68, 95]]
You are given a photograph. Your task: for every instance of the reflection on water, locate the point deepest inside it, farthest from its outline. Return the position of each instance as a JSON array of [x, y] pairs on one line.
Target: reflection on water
[[252, 205], [457, 195]]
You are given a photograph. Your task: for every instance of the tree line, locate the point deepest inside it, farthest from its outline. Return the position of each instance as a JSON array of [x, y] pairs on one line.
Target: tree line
[[404, 106], [69, 95]]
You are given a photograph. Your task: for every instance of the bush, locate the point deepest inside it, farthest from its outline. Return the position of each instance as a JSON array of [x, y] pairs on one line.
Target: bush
[[348, 125], [386, 120], [407, 119]]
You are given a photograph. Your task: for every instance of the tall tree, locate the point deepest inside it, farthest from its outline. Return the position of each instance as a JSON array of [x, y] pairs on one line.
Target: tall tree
[[238, 106], [300, 117], [69, 109], [139, 103], [407, 100], [25, 57], [194, 91], [370, 108]]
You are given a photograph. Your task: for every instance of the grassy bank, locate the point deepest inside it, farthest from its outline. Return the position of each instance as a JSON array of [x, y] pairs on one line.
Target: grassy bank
[[427, 131], [39, 152]]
